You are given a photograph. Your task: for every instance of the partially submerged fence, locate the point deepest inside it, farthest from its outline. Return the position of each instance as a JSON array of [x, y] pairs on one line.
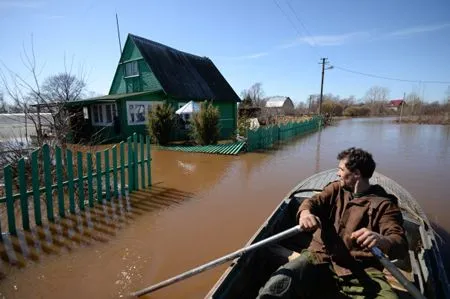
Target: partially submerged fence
[[266, 137], [54, 178]]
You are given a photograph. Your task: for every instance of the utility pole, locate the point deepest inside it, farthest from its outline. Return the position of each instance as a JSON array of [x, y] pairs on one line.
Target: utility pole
[[118, 35], [323, 63], [401, 107]]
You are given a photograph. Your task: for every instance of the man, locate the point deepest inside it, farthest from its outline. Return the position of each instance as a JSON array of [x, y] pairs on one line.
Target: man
[[347, 218]]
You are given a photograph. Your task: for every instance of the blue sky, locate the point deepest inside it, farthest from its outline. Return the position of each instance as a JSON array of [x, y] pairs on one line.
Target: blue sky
[[276, 42]]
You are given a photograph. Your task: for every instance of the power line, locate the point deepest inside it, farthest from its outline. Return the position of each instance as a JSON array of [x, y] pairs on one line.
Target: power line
[[304, 27], [391, 78], [314, 46], [308, 34], [287, 17]]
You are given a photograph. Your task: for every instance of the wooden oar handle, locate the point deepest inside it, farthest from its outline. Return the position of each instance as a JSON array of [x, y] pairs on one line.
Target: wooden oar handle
[[396, 273], [286, 234]]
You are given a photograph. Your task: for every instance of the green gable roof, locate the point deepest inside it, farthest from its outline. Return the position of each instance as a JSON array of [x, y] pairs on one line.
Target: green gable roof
[[183, 75]]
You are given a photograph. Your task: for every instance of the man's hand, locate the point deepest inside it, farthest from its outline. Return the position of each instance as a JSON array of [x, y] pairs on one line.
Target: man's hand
[[367, 238], [308, 222]]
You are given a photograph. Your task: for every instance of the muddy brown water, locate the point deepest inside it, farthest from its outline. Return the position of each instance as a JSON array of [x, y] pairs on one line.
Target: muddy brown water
[[204, 206]]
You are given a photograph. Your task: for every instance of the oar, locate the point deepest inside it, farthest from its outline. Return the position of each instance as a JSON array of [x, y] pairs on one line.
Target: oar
[[286, 234], [397, 274]]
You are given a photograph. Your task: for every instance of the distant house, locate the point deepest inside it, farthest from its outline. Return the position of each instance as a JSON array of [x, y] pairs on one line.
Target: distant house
[[280, 105], [396, 104], [148, 74]]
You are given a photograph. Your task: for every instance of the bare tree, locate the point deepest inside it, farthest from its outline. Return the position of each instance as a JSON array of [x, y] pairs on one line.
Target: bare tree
[[3, 106], [414, 104], [33, 97], [376, 98], [255, 94]]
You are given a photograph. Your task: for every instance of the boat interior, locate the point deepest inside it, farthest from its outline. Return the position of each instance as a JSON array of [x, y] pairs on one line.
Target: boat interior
[[249, 273]]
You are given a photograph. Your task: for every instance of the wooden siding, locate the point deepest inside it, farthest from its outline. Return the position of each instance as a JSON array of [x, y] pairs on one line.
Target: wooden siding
[[146, 81], [228, 122]]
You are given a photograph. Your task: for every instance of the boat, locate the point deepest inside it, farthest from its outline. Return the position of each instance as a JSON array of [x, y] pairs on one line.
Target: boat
[[423, 266]]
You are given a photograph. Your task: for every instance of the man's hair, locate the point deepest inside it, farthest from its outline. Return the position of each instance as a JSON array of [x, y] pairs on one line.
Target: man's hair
[[358, 159]]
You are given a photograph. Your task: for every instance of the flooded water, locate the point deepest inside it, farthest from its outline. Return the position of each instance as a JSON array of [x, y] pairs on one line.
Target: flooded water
[[204, 206]]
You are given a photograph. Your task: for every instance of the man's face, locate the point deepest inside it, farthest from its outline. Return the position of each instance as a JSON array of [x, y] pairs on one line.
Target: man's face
[[348, 178]]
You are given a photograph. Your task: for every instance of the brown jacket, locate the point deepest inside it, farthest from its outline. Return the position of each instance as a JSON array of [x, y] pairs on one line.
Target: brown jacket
[[342, 213]]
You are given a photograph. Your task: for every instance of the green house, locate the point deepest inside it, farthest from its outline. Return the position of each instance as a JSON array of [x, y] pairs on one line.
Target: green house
[[148, 74]]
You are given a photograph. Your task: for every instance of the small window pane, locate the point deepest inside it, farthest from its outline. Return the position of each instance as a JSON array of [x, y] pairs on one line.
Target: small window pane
[[131, 69], [108, 113], [95, 109]]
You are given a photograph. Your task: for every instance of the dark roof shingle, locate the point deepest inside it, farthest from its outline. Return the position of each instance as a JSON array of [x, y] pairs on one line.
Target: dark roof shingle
[[183, 75]]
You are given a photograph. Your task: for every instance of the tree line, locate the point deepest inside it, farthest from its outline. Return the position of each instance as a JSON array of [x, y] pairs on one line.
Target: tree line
[[375, 102]]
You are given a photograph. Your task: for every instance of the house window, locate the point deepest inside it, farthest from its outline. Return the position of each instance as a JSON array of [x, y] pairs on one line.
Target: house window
[[137, 112], [103, 114], [131, 69]]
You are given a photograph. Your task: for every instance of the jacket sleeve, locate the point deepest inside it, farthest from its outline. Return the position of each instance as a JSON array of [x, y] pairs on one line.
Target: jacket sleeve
[[391, 227], [320, 203]]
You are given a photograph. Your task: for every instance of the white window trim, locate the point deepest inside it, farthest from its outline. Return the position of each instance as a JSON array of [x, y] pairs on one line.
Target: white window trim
[[132, 76], [146, 111], [104, 123]]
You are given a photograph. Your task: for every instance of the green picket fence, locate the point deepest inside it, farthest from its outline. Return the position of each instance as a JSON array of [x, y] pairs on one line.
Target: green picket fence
[[64, 180], [266, 137]]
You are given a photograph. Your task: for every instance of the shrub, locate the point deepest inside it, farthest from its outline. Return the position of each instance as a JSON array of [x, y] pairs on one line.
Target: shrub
[[161, 123], [205, 125], [353, 111]]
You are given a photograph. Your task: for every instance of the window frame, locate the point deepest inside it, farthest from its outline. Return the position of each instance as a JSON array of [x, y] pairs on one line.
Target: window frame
[[99, 114], [134, 74]]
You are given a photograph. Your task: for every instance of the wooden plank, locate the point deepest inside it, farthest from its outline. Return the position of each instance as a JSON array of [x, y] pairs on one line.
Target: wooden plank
[[141, 141], [23, 195], [107, 177], [89, 179], [135, 160], [48, 183], [36, 191], [80, 181], [130, 170], [98, 169], [149, 167], [122, 168], [59, 182], [70, 187], [115, 182]]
